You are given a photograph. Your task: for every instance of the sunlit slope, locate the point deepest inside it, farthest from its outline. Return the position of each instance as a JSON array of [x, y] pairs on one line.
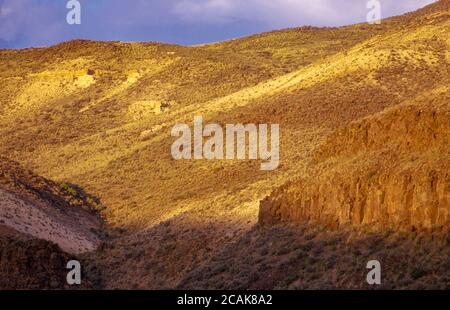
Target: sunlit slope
[[79, 111], [99, 115]]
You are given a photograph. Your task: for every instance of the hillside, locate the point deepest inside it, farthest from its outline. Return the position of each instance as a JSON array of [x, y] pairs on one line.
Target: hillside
[[43, 225], [42, 209], [359, 106]]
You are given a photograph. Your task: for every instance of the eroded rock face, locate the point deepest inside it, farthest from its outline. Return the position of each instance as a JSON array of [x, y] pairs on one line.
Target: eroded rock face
[[387, 171], [405, 201], [412, 128]]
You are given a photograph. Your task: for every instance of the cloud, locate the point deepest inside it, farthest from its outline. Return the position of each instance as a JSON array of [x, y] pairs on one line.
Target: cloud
[[210, 11], [43, 22], [19, 20], [284, 13]]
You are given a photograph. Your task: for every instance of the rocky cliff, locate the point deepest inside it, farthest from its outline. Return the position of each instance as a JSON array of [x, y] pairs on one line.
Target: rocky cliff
[[390, 170]]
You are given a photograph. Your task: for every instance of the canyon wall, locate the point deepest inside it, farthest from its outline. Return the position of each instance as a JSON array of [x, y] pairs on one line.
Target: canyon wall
[[390, 170]]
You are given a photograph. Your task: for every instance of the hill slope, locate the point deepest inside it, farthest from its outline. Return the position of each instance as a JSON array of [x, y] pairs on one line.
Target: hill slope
[[42, 209], [43, 225]]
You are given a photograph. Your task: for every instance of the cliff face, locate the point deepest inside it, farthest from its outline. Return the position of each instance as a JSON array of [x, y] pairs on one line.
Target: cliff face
[[410, 128], [391, 170], [407, 201]]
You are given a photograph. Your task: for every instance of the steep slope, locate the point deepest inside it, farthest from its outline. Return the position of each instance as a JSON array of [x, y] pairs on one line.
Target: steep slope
[[84, 112], [43, 225], [42, 209]]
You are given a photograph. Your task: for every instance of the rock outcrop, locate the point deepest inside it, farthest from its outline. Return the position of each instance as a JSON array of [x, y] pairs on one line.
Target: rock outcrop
[[391, 170]]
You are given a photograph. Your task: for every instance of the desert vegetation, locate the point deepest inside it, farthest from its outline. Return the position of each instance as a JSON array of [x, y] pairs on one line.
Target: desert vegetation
[[363, 112]]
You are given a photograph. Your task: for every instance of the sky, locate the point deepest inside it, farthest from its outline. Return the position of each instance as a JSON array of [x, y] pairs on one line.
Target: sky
[[27, 23]]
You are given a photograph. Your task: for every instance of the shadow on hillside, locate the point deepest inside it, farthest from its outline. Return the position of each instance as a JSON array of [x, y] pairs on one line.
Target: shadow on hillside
[[178, 254], [289, 257]]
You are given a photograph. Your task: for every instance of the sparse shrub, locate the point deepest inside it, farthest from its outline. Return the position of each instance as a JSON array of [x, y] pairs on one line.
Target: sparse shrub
[[371, 174], [283, 251], [418, 272], [70, 190]]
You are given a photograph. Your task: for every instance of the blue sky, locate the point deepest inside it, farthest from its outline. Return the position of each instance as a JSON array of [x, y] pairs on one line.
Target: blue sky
[[25, 23]]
